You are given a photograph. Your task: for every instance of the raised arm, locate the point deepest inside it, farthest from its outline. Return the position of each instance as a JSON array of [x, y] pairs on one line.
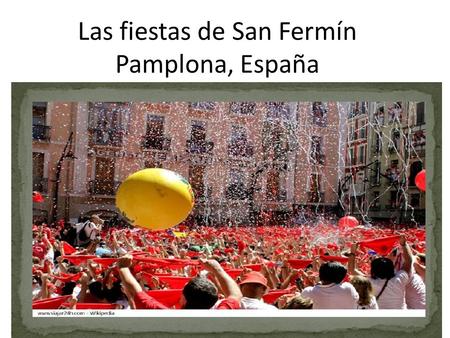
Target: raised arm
[[407, 255], [227, 284], [352, 267], [128, 281]]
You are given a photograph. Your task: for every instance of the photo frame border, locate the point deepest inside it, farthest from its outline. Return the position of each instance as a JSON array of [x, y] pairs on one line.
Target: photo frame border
[[24, 325]]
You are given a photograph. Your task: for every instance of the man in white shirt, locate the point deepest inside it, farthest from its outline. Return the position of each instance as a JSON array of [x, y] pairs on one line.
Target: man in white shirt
[[331, 293], [253, 287]]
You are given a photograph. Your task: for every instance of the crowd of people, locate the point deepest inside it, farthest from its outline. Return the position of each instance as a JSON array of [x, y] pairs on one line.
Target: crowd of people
[[89, 266]]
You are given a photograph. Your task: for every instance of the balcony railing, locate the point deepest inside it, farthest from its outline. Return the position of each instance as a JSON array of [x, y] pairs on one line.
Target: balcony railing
[[40, 184], [240, 149], [100, 187], [107, 137], [316, 197], [199, 147], [161, 143], [41, 132]]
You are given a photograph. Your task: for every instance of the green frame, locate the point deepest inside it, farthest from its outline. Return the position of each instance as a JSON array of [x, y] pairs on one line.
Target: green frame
[[24, 325]]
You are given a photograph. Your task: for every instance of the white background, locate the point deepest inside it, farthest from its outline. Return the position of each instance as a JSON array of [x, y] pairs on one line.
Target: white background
[[397, 41]]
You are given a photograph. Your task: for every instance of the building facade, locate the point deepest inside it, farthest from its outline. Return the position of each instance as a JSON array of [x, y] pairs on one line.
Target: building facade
[[241, 158], [385, 151]]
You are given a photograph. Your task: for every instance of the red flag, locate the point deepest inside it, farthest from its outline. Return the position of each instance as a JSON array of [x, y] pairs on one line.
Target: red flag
[[49, 303], [67, 277], [168, 298], [299, 263], [272, 296], [334, 258], [234, 273], [68, 249], [383, 246], [254, 267], [105, 261], [174, 282]]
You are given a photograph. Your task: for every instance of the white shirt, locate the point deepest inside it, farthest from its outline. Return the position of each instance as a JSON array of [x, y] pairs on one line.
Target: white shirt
[[415, 293], [91, 229], [332, 296], [255, 304], [393, 296]]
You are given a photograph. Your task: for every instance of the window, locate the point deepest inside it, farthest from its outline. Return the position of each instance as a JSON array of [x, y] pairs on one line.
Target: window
[[238, 142], [319, 114], [236, 185], [155, 125], [243, 108], [362, 132], [316, 153], [278, 110], [315, 194], [378, 144], [198, 131], [357, 108], [109, 122], [395, 112], [273, 185], [103, 184], [395, 142], [420, 113], [376, 199], [361, 154], [40, 130], [413, 171], [351, 156], [203, 105], [39, 113], [351, 133], [196, 179], [378, 117], [377, 174], [39, 182], [154, 137]]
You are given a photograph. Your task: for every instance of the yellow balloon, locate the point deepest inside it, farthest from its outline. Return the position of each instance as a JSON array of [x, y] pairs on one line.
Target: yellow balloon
[[155, 198]]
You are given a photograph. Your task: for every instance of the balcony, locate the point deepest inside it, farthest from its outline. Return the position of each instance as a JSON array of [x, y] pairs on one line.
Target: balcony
[[107, 137], [41, 132], [161, 143], [199, 147], [242, 149], [40, 184], [101, 187], [316, 197]]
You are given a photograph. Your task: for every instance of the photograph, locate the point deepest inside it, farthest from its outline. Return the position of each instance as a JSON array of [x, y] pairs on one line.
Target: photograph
[[228, 205]]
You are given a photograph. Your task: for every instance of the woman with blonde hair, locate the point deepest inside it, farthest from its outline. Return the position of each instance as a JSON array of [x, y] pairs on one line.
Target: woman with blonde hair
[[363, 286]]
